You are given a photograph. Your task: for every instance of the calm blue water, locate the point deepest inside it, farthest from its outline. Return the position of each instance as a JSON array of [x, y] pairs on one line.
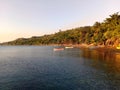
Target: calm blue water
[[41, 68]]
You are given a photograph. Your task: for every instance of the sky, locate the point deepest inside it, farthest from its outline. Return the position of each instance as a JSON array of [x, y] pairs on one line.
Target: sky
[[27, 18]]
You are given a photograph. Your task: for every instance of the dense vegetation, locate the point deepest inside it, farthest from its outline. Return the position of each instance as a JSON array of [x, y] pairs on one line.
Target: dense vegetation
[[104, 33]]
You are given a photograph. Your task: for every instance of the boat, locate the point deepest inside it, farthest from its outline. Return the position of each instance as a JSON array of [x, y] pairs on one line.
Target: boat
[[118, 47], [58, 49], [93, 47], [68, 47]]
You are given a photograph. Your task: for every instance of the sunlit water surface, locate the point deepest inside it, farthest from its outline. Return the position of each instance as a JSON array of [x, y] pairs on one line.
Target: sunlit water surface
[[41, 68]]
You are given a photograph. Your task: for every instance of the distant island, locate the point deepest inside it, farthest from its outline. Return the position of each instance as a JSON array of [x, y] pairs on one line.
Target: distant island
[[106, 33]]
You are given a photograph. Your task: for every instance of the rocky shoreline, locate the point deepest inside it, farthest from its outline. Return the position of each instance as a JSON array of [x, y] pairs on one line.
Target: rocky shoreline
[[99, 48]]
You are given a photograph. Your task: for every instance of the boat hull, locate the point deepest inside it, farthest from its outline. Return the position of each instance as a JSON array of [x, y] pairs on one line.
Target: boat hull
[[117, 47], [68, 47], [58, 49]]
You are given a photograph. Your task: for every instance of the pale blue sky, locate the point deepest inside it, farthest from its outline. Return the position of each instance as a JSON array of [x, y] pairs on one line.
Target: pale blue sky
[[26, 18]]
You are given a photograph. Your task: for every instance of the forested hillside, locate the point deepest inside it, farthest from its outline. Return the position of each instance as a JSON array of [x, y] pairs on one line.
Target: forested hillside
[[104, 33]]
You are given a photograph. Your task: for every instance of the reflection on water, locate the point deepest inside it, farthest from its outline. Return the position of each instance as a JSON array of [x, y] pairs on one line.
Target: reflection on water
[[101, 54], [104, 58], [107, 61]]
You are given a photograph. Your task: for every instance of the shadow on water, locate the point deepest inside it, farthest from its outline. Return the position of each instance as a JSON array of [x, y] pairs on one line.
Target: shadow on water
[[107, 61]]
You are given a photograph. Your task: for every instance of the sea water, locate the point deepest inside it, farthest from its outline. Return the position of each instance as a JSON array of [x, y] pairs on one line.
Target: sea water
[[41, 68]]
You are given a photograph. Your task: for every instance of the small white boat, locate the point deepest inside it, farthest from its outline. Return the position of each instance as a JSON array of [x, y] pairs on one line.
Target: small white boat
[[93, 47], [58, 49], [118, 47], [68, 47]]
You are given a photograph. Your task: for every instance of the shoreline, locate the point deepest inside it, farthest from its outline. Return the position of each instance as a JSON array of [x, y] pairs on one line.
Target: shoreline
[[99, 48], [89, 46]]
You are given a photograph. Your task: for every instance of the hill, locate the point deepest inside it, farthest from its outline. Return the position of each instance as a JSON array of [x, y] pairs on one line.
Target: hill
[[105, 33]]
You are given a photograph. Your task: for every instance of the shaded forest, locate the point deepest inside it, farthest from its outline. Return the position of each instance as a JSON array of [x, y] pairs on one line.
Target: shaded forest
[[101, 33]]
